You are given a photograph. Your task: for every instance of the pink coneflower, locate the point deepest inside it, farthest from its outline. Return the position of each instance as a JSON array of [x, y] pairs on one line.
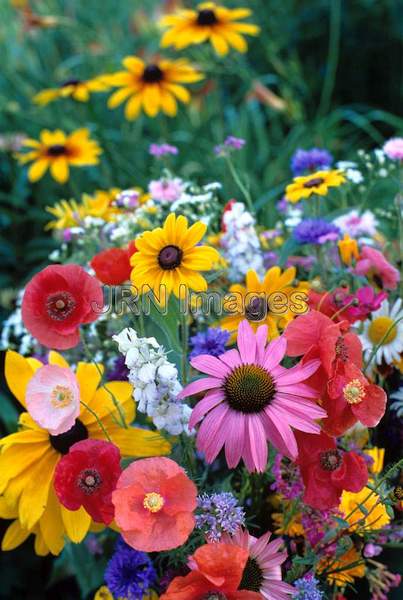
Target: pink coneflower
[[252, 399], [262, 572]]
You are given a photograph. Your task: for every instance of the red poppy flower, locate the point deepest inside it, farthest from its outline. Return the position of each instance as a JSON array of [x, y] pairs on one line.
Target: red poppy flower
[[112, 266], [57, 301], [314, 335], [87, 476], [341, 305], [350, 398], [216, 573], [154, 503], [327, 471]]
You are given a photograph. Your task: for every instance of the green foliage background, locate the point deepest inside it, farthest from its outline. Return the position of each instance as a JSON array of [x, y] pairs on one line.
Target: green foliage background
[[337, 64]]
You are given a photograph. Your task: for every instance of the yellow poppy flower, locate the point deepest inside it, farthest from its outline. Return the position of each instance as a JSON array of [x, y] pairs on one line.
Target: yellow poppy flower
[[348, 249], [315, 183], [274, 302], [73, 88], [378, 455], [210, 22], [168, 257], [346, 574], [373, 517], [58, 151], [154, 86], [29, 457]]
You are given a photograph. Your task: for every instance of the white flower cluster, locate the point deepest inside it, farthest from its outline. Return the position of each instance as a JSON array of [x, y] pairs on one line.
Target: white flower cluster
[[14, 334], [155, 382], [198, 202], [240, 243]]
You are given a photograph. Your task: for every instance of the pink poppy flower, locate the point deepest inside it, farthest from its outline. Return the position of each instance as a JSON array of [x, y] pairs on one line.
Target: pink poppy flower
[[154, 502], [262, 572], [374, 266], [53, 398], [252, 399]]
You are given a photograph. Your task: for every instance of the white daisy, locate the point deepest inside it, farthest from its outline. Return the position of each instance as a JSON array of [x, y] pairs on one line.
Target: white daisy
[[386, 321]]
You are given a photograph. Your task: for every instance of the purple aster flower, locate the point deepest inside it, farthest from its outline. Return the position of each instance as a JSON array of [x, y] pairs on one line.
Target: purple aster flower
[[310, 160], [128, 199], [234, 142], [210, 342], [119, 371], [219, 513], [307, 588], [129, 573], [315, 231], [159, 150]]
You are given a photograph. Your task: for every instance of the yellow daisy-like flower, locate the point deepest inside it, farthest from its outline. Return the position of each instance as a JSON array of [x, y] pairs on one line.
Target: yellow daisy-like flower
[[315, 183], [168, 257], [154, 86], [273, 302], [103, 593], [73, 88], [373, 517], [58, 151], [292, 527], [29, 457], [210, 22], [66, 213], [347, 573]]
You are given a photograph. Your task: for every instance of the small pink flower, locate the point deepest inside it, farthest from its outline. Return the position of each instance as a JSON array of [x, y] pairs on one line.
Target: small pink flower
[[166, 190], [53, 398], [252, 399], [394, 148], [374, 265]]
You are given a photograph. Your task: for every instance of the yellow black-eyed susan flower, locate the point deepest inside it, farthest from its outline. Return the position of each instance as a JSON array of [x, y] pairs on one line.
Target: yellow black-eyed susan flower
[[29, 457], [155, 86], [57, 151], [169, 256], [209, 22], [73, 88], [315, 183]]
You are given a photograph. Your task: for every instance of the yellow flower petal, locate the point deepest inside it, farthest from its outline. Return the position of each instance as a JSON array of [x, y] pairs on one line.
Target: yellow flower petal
[[18, 372], [76, 523], [15, 535], [137, 442], [35, 495], [89, 377], [59, 169], [51, 525], [57, 359]]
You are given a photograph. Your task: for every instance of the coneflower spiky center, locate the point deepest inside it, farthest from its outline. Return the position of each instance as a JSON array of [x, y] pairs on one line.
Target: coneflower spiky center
[[249, 388]]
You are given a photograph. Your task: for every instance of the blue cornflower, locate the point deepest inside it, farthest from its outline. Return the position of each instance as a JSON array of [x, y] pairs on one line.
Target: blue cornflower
[[315, 231], [210, 342], [129, 573], [307, 588], [219, 513], [310, 160]]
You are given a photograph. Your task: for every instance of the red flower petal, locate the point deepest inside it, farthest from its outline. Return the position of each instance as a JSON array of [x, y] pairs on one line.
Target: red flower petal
[[371, 410]]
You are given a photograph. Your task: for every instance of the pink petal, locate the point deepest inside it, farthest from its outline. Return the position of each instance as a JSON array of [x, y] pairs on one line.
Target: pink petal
[[235, 442], [300, 404], [261, 339], [274, 353], [204, 406], [231, 358], [210, 365], [299, 372], [297, 421], [280, 434], [212, 433], [300, 389], [246, 342], [274, 545], [256, 440], [276, 560], [200, 385], [259, 547]]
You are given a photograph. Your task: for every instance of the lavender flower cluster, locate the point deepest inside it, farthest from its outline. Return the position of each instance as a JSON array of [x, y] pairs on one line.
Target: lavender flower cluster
[[219, 513]]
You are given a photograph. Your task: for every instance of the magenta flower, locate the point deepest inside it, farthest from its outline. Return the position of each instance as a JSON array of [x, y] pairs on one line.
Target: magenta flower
[[374, 266], [252, 399]]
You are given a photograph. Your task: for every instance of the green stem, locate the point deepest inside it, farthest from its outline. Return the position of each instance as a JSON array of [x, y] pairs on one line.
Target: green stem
[[239, 183], [98, 420], [375, 350], [185, 341], [332, 57]]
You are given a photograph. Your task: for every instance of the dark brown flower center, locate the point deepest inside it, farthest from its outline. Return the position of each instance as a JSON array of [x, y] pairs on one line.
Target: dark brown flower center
[[56, 150], [330, 460], [60, 305], [214, 596], [70, 82], [313, 182], [170, 257], [249, 388], [256, 309], [63, 442], [341, 349], [89, 481], [252, 577], [152, 74], [206, 17]]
